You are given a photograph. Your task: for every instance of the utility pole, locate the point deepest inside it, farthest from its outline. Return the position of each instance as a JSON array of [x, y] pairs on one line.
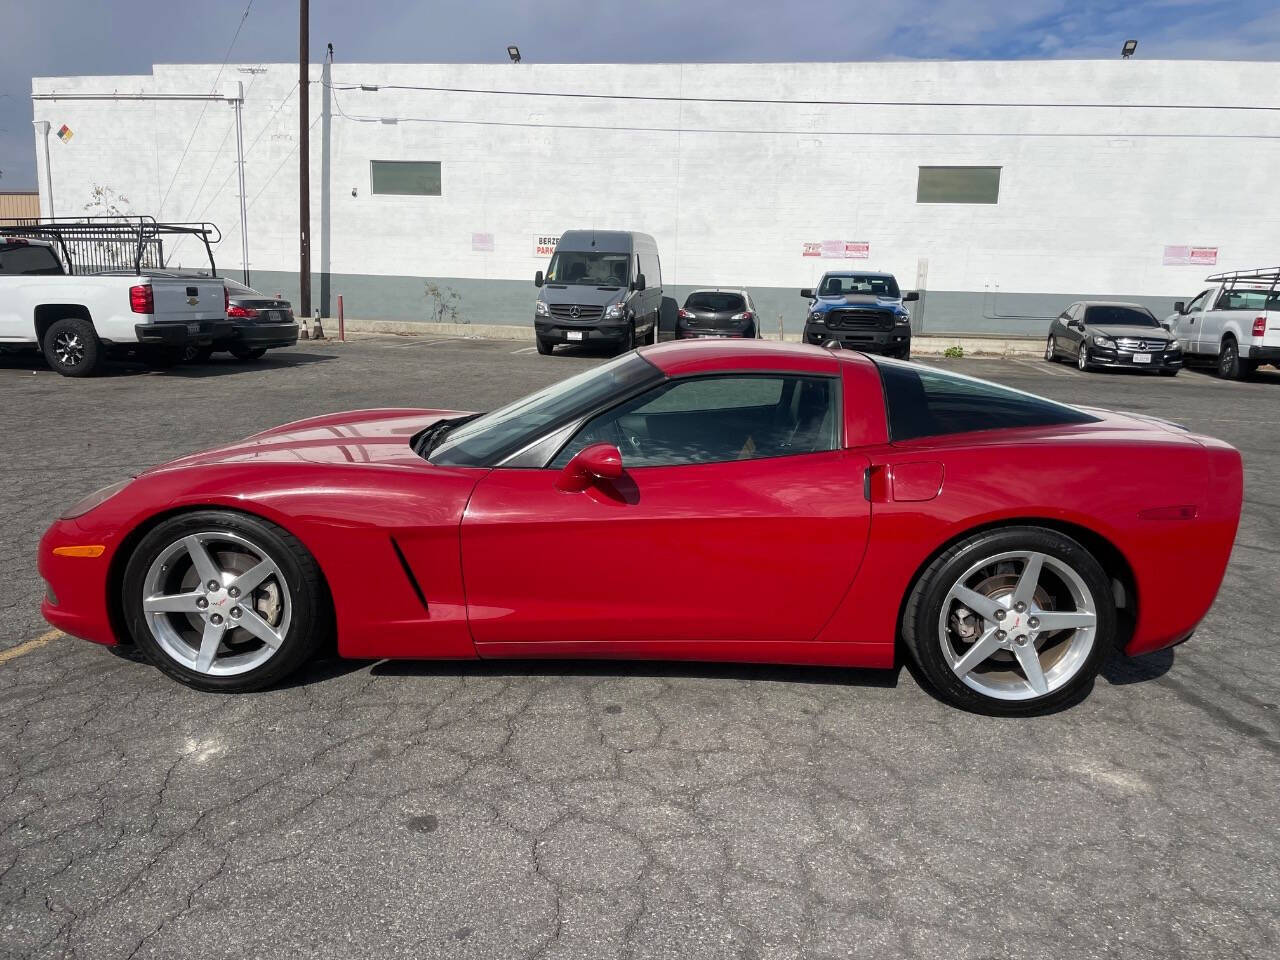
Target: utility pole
[[304, 163]]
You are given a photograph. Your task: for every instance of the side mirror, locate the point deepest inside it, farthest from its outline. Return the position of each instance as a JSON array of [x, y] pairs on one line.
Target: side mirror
[[600, 461], [638, 282], [807, 293], [911, 296], [1180, 306], [1168, 326], [537, 279]]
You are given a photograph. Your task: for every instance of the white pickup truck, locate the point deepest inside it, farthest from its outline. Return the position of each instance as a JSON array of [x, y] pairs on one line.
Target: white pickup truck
[[1234, 325], [78, 320]]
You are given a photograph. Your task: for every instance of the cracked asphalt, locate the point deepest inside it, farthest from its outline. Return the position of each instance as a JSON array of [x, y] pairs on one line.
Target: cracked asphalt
[[598, 810]]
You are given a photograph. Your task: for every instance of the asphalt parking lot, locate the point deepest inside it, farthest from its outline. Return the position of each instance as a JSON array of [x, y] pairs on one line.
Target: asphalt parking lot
[[594, 810]]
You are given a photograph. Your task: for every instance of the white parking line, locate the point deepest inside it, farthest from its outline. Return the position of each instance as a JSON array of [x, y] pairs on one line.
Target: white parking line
[[524, 350], [1041, 366]]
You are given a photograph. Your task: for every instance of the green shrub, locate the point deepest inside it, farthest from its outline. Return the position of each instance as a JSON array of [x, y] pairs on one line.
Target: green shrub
[[955, 353]]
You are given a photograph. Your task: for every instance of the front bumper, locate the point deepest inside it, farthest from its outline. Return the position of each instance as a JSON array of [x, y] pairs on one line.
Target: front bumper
[[76, 593], [868, 341], [259, 335], [599, 331], [1166, 360]]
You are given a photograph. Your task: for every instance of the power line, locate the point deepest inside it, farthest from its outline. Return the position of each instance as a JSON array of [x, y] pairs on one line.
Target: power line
[[370, 87], [196, 129]]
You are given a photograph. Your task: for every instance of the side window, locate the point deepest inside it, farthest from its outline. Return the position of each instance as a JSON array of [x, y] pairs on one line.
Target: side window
[[928, 403], [1242, 300], [22, 260], [717, 419], [1198, 302]]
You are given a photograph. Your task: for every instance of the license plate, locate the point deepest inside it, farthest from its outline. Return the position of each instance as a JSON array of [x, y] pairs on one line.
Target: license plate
[[193, 328], [573, 335], [1142, 358]]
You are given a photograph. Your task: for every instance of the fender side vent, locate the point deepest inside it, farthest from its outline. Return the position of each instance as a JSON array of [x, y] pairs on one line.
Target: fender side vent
[[408, 573]]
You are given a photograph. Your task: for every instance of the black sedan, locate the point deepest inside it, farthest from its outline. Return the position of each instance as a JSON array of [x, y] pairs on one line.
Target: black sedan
[[1095, 334], [258, 323], [717, 313]]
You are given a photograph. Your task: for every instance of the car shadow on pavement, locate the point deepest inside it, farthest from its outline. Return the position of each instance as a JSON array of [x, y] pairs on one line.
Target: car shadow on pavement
[[682, 669], [1120, 670], [127, 367]]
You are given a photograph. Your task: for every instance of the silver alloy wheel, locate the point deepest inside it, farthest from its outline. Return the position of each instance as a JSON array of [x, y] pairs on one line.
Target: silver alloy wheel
[[216, 603], [1050, 350], [1082, 360], [1006, 631], [68, 347]]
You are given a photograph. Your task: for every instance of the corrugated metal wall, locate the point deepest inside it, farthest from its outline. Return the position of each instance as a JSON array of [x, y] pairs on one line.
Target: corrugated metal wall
[[19, 205]]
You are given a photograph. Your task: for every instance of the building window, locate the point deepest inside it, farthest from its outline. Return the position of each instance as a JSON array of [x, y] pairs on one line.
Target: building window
[[958, 185], [405, 178]]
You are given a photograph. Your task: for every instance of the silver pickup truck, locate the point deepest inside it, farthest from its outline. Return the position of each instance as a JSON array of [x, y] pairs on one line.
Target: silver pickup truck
[[1233, 325]]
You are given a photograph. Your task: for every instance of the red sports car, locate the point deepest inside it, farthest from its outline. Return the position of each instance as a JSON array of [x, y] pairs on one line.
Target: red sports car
[[705, 500]]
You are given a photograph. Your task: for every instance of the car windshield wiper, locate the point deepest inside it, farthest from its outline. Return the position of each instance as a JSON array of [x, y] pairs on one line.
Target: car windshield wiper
[[428, 438]]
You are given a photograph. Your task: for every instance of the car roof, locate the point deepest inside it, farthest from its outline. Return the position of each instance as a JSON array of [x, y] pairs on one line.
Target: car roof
[[719, 290], [858, 273], [682, 357]]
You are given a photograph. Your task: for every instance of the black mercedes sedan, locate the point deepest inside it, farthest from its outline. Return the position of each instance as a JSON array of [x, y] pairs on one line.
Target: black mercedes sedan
[[1096, 333]]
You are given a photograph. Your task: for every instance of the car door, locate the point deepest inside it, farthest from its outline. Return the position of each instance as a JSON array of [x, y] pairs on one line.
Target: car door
[[1073, 329], [738, 517], [1060, 332], [1191, 325]]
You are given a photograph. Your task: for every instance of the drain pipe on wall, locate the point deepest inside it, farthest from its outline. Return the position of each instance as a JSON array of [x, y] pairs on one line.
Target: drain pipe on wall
[[44, 177]]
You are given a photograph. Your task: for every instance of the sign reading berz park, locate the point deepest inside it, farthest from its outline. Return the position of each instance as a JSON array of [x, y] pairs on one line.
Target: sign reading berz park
[[838, 249], [544, 245], [1181, 255]]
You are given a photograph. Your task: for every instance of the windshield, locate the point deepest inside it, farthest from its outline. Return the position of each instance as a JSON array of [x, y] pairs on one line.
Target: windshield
[[867, 284], [589, 269], [1120, 316], [487, 440]]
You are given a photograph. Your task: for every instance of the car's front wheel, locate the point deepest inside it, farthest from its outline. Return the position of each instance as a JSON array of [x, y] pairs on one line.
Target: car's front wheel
[[224, 601], [545, 347], [1082, 358], [1011, 621]]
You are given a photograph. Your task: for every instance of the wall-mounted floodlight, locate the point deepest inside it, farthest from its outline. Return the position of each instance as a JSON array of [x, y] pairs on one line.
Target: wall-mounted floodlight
[[514, 53], [1128, 49]]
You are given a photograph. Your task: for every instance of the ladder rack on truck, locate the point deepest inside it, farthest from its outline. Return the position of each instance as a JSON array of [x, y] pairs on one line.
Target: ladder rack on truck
[[90, 245]]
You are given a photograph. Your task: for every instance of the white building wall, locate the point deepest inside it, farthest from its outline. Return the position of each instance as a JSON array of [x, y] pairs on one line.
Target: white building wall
[[1147, 154]]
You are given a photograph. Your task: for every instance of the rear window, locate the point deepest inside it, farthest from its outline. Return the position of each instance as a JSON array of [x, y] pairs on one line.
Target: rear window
[[22, 260], [718, 302], [923, 402], [1249, 300], [1120, 316]]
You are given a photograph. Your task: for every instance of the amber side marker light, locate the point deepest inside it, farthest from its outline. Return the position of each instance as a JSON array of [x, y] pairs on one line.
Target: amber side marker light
[[93, 550]]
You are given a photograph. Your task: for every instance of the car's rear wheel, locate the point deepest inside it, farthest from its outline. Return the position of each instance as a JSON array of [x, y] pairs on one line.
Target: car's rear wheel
[[72, 348], [1051, 349], [1230, 365], [223, 601], [1011, 621]]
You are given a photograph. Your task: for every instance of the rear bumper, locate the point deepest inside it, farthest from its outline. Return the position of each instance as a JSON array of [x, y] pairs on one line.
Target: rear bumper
[[868, 341], [259, 335], [1265, 354], [179, 334]]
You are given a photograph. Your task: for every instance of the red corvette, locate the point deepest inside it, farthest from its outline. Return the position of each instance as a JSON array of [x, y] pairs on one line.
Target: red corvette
[[739, 501]]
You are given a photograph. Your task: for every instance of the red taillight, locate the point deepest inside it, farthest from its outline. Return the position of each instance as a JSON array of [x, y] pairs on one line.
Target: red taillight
[[16, 242], [685, 314], [226, 301], [246, 313], [141, 299], [745, 315], [1259, 326]]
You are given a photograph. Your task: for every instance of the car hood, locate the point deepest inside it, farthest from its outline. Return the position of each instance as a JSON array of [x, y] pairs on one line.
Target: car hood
[[1153, 334], [374, 437], [583, 294]]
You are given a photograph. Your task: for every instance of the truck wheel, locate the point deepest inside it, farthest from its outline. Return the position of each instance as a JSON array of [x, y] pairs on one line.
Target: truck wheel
[[545, 346], [245, 353], [1230, 366], [72, 348]]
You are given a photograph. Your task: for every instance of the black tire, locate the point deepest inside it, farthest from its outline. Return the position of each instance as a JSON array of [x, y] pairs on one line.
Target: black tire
[[1082, 359], [1230, 365], [1051, 349], [72, 348], [628, 341], [904, 353], [311, 620], [545, 347], [248, 353], [194, 354], [651, 337], [923, 609]]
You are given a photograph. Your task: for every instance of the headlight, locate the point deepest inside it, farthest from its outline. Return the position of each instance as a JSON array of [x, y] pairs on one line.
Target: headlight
[[95, 499], [1173, 344], [816, 317], [615, 311], [540, 308], [904, 318], [1101, 341]]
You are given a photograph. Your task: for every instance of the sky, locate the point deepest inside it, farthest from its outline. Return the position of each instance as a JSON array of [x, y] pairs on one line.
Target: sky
[[75, 37]]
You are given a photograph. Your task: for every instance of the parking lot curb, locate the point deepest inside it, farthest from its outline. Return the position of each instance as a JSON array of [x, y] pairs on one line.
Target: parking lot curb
[[923, 345]]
